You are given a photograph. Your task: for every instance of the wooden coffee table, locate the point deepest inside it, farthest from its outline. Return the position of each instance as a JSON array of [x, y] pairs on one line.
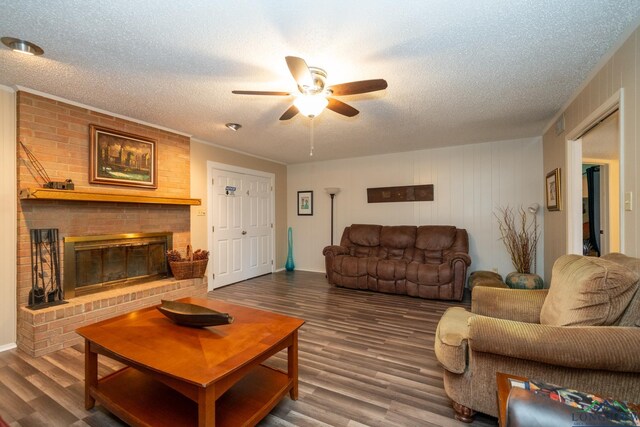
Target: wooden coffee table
[[504, 387], [177, 375]]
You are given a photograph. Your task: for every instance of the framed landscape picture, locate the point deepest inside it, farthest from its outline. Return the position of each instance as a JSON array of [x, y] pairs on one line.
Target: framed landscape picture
[[120, 158], [553, 190], [305, 202]]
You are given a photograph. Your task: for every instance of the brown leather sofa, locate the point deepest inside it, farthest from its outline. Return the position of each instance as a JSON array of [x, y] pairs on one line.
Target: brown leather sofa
[[429, 261]]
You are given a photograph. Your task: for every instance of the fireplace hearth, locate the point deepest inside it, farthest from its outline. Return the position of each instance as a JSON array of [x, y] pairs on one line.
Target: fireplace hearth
[[97, 263]]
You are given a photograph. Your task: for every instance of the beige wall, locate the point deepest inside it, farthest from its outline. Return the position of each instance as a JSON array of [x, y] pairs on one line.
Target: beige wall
[[622, 71], [201, 153], [470, 183], [7, 218]]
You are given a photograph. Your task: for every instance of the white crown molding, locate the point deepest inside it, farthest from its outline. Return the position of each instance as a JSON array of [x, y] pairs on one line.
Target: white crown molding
[[98, 110], [7, 89], [222, 147]]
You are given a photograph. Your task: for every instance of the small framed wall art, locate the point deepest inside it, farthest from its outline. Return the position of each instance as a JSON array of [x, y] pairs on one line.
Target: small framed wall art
[[305, 202], [120, 158], [553, 190]]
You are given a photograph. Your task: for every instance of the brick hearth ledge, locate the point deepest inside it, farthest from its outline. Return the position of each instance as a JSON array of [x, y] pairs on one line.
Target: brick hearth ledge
[[53, 328]]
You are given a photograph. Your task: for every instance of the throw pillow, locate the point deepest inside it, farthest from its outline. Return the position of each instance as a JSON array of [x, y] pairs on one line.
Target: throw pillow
[[631, 316], [587, 291]]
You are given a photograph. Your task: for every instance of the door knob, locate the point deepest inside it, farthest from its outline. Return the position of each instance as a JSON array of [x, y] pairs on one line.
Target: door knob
[[244, 232]]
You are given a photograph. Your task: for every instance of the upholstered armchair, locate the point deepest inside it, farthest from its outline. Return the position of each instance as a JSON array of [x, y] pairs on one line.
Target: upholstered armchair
[[581, 333]]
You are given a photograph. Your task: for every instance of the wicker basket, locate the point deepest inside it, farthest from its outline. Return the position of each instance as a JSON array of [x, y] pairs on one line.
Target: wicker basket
[[199, 267], [181, 269], [188, 269]]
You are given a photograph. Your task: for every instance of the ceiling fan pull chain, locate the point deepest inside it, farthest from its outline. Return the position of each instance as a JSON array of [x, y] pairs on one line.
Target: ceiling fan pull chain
[[311, 148]]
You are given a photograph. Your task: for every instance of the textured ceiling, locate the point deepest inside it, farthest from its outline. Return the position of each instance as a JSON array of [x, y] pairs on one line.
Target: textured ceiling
[[458, 72]]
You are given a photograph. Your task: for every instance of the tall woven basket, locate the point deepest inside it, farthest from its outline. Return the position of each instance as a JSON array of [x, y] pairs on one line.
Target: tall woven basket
[[188, 269]]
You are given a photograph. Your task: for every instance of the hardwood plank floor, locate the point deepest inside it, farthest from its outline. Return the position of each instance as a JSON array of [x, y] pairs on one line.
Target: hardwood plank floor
[[366, 359]]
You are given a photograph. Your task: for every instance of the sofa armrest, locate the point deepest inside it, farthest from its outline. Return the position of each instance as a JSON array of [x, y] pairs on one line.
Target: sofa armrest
[[610, 348], [335, 250], [511, 304], [451, 257]]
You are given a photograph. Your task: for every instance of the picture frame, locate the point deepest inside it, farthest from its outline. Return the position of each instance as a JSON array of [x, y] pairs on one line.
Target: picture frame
[[121, 158], [305, 203], [553, 190]]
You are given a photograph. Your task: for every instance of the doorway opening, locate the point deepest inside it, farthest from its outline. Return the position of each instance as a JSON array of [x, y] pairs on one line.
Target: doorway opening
[[594, 182]]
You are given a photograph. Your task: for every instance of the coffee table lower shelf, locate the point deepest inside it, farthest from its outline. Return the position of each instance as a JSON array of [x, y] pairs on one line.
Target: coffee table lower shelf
[[140, 400]]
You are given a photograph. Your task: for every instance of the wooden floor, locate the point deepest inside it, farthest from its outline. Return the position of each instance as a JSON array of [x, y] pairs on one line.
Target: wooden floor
[[366, 359]]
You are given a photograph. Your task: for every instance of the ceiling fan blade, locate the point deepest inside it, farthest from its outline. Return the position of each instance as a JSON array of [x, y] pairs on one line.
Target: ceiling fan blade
[[341, 108], [362, 86], [259, 92], [299, 71], [292, 111]]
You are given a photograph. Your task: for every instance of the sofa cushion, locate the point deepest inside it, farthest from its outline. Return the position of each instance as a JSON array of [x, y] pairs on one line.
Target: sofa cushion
[[388, 269], [397, 242], [365, 234], [435, 237], [350, 266], [398, 236], [429, 274], [587, 291]]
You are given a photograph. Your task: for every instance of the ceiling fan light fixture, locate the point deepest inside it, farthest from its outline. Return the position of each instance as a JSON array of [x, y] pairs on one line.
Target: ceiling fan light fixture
[[311, 105], [233, 126], [22, 46]]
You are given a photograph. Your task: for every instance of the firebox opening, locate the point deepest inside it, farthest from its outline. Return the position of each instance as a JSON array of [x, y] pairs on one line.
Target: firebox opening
[[97, 263]]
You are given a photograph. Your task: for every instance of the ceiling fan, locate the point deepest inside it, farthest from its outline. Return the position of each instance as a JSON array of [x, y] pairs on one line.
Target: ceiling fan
[[314, 96]]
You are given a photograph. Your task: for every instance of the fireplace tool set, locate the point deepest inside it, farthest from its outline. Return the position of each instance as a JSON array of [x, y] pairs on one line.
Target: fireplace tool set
[[46, 288]]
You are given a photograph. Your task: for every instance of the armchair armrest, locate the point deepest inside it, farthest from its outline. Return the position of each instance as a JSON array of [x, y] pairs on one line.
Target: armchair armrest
[[610, 348], [335, 250], [451, 257], [451, 343], [511, 304]]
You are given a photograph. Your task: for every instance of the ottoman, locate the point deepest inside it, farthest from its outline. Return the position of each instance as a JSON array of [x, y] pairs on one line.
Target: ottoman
[[485, 278]]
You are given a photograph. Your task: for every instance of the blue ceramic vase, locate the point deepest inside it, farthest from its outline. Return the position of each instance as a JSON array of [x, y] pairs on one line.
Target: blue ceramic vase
[[290, 265], [524, 281]]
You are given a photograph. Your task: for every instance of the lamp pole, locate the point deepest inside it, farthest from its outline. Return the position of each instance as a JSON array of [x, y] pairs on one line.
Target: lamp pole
[[533, 210], [332, 191]]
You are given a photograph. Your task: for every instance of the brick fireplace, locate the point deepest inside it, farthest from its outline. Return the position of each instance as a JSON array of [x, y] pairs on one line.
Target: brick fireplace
[[58, 135]]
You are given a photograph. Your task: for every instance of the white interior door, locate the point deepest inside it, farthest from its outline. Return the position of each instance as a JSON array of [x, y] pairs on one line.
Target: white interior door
[[242, 230], [258, 225], [228, 248]]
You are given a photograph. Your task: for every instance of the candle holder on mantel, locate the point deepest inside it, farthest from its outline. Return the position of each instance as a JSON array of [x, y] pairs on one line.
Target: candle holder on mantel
[[332, 191]]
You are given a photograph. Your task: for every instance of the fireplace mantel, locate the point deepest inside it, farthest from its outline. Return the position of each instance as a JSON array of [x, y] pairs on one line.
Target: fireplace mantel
[[90, 196]]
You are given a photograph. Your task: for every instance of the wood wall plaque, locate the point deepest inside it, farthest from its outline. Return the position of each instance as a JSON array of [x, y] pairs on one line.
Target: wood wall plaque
[[407, 193]]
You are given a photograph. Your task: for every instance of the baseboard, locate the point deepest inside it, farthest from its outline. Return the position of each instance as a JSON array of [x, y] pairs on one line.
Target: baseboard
[[7, 347], [311, 271], [301, 269]]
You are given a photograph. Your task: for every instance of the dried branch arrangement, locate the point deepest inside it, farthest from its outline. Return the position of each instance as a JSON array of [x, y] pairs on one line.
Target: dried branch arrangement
[[519, 237]]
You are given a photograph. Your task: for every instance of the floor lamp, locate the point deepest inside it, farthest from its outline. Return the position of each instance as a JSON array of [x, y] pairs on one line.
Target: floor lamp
[[332, 191]]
